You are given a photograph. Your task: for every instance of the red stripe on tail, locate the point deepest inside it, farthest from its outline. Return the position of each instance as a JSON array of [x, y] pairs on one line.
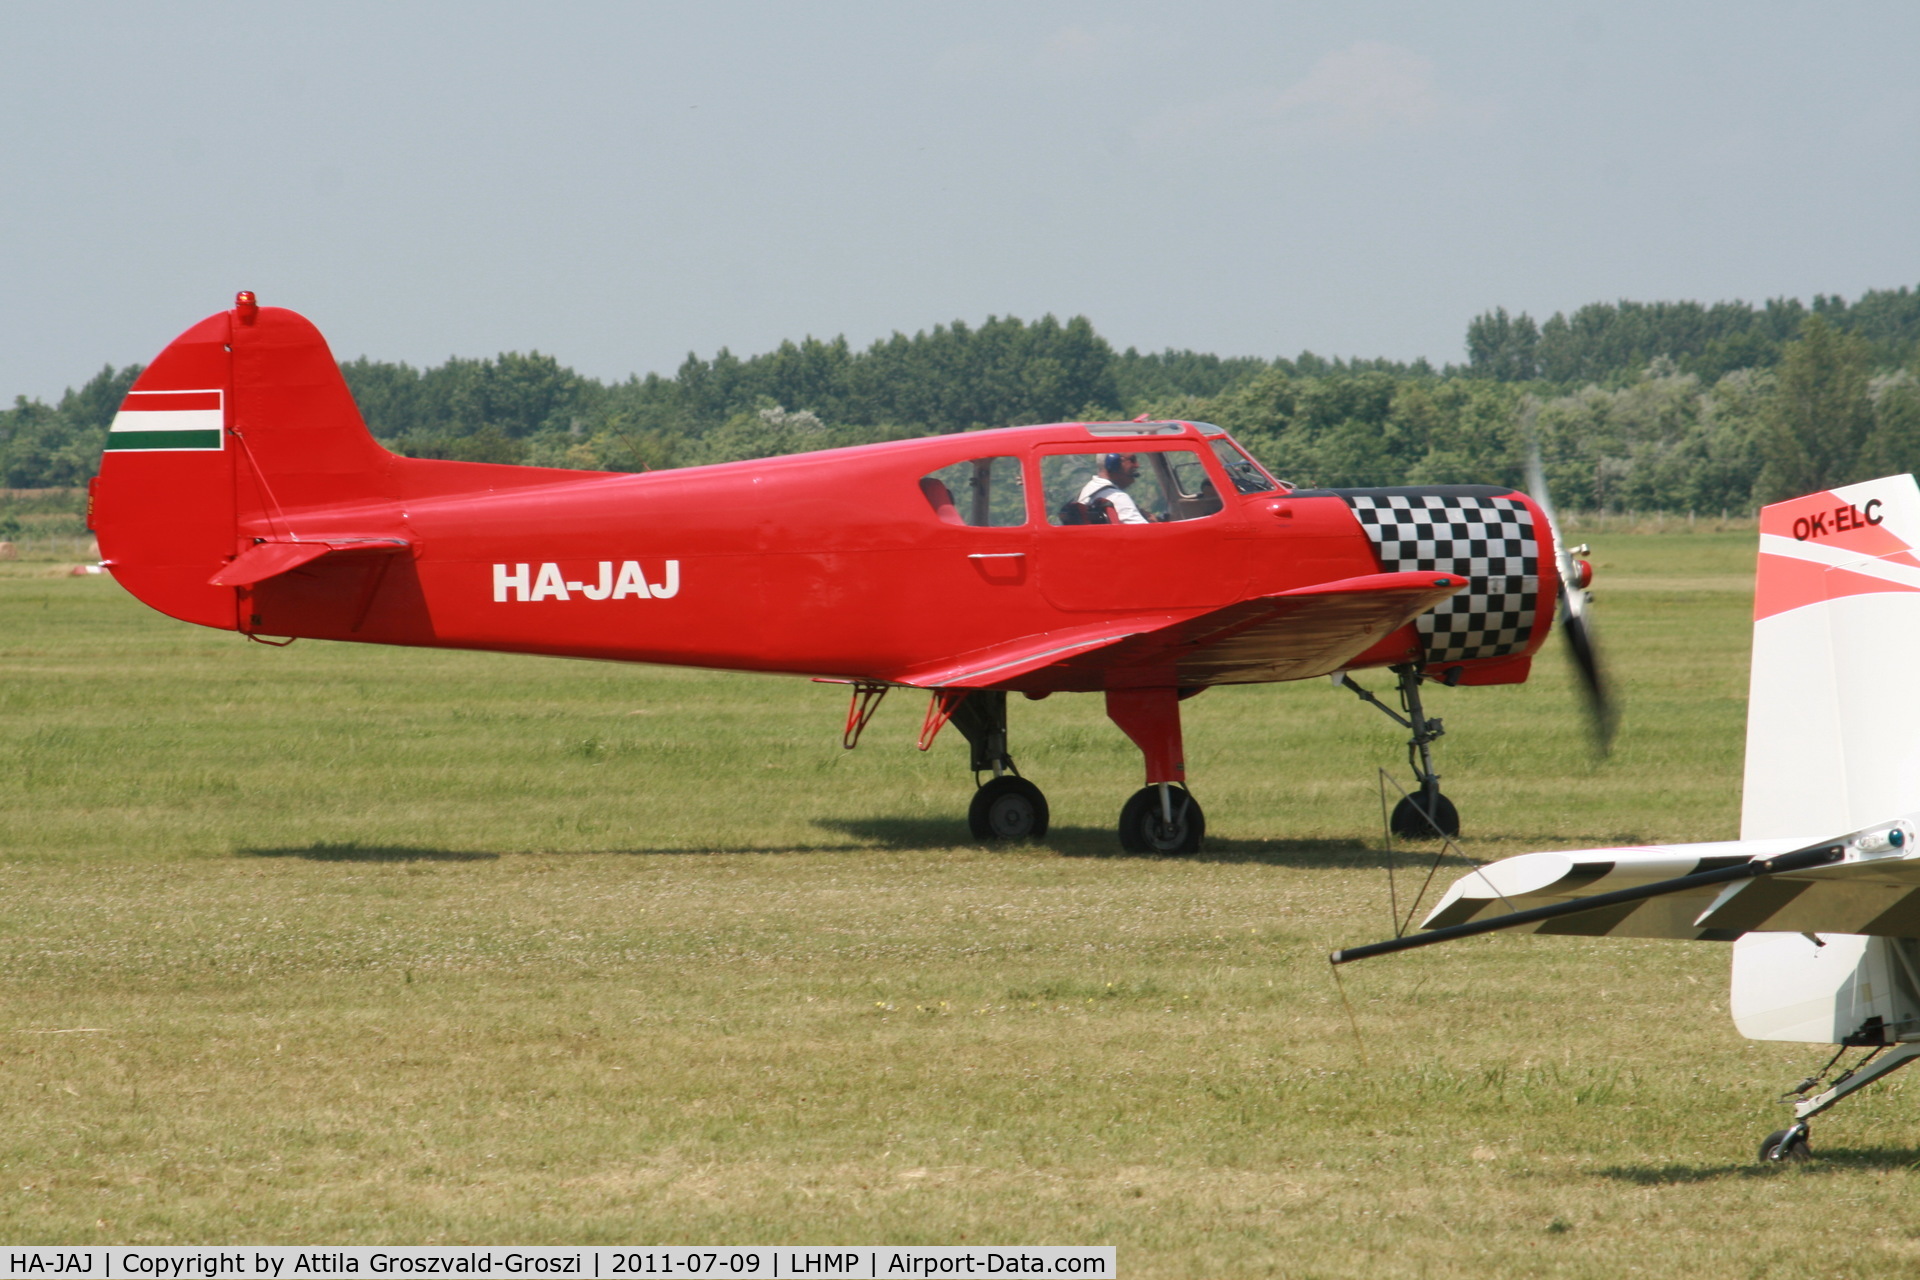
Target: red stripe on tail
[[152, 401]]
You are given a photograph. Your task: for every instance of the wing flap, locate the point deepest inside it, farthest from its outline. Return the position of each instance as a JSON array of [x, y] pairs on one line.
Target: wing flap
[[1292, 635]]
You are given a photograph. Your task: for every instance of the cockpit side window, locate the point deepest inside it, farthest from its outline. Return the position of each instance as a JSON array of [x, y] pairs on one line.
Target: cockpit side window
[[1247, 475], [982, 492], [1145, 487]]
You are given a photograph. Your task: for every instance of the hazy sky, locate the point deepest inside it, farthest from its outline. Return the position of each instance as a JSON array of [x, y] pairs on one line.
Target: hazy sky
[[619, 184]]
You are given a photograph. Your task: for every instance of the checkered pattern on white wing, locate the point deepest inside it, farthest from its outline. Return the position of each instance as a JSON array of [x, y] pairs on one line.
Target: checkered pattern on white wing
[[1489, 541]]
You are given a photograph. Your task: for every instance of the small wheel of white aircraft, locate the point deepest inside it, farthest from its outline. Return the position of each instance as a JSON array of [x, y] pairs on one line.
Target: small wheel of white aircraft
[[1410, 820], [1144, 827], [1008, 808], [1785, 1146]]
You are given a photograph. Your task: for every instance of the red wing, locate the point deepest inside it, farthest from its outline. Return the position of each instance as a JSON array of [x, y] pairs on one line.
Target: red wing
[[1291, 635]]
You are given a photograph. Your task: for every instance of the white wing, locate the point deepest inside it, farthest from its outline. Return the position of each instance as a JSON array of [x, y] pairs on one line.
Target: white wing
[[1874, 891]]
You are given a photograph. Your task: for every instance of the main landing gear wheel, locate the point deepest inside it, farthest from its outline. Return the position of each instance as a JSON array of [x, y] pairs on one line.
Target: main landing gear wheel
[[1145, 829], [1785, 1146], [1008, 808], [1418, 818]]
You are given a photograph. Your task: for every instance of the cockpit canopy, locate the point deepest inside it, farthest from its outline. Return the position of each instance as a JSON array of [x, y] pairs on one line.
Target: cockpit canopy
[[1115, 482]]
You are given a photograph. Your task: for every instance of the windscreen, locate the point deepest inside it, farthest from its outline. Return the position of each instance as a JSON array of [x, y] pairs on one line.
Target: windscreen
[[1246, 474]]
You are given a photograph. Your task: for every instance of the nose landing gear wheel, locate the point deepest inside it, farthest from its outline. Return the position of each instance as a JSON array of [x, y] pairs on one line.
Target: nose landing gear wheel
[[1144, 827], [1785, 1146], [1416, 817], [1008, 808]]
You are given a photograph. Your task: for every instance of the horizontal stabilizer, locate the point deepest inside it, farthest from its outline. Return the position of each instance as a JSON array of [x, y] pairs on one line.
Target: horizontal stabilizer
[[270, 559], [1290, 635]]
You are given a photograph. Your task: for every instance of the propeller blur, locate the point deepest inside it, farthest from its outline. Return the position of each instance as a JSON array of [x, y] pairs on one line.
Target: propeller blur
[[1576, 616]]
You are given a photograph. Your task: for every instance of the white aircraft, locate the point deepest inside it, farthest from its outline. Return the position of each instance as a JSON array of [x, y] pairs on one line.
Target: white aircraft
[[1820, 896]]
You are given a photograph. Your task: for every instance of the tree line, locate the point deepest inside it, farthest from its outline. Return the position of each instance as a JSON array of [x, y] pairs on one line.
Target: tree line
[[1604, 341], [1634, 406]]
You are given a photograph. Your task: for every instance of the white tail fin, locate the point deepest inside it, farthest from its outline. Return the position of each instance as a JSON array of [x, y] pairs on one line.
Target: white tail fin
[[1832, 746], [1833, 749]]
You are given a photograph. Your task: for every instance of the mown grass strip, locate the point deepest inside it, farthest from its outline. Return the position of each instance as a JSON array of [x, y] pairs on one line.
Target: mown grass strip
[[339, 943]]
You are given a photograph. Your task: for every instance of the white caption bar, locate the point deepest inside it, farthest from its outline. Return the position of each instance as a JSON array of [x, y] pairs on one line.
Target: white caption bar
[[626, 1262]]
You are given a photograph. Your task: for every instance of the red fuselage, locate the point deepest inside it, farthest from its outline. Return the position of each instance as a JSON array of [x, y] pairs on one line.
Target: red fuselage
[[836, 563]]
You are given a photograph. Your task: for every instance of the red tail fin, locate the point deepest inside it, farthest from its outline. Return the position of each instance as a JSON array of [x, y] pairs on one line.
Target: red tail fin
[[241, 489], [235, 437]]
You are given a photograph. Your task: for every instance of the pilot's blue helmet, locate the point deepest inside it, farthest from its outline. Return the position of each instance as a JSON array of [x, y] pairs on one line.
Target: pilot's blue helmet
[[1112, 463]]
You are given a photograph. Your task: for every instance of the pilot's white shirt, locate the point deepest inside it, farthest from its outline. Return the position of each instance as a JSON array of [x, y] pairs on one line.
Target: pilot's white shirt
[[1125, 509]]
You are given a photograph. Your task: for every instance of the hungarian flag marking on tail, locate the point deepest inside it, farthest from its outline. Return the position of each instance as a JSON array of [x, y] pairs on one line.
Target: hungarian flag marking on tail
[[169, 420]]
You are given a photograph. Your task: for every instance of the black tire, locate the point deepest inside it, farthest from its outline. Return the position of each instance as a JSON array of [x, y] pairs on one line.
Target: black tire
[[1785, 1146], [1144, 830], [1008, 808], [1411, 822]]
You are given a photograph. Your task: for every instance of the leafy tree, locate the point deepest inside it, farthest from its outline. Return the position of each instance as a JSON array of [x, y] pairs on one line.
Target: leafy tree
[[1459, 431], [1820, 416], [1664, 443], [389, 396], [1894, 446], [1006, 372], [44, 446], [1610, 342], [92, 407], [1263, 407], [764, 433], [1723, 451], [1171, 375], [1503, 347], [1890, 320]]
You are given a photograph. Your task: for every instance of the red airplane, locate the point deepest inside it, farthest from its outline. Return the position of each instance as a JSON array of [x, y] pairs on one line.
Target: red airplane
[[1147, 561]]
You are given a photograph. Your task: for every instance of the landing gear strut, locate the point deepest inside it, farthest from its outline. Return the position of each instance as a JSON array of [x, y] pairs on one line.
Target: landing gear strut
[[1789, 1145], [1007, 806], [1426, 813], [1161, 817]]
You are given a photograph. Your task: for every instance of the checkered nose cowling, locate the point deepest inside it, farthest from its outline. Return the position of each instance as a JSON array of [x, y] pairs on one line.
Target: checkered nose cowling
[[1485, 534]]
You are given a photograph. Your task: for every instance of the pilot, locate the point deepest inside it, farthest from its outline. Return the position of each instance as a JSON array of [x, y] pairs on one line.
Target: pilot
[[1207, 501], [1110, 483]]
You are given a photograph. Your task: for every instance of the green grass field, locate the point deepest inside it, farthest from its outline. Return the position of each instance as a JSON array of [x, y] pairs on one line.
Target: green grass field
[[343, 944]]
